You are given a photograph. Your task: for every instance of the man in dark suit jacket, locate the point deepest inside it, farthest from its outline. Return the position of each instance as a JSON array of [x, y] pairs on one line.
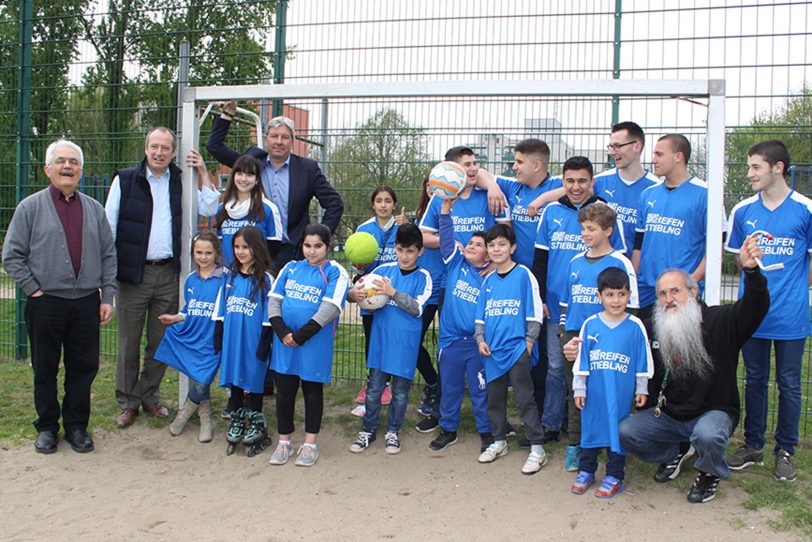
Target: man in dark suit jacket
[[290, 181]]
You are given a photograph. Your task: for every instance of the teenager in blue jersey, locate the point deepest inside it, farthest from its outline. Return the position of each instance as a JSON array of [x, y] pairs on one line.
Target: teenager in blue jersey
[[598, 222], [382, 227], [244, 205], [622, 185], [189, 346], [782, 220], [612, 370], [508, 321], [671, 221], [458, 358], [243, 333], [395, 337], [558, 239], [469, 215], [303, 308]]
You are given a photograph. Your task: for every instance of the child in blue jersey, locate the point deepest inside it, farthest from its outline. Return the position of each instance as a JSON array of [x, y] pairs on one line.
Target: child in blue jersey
[[508, 321], [612, 369], [303, 308], [469, 215], [188, 346], [458, 358], [394, 340], [597, 224], [382, 227], [243, 333], [244, 205], [558, 240]]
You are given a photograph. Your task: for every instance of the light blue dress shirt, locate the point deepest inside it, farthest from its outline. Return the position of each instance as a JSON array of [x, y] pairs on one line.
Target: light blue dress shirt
[[276, 184]]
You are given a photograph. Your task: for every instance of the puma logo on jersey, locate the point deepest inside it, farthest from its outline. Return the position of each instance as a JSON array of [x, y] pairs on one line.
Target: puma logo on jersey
[[488, 290], [518, 199], [574, 275], [464, 271], [752, 223], [593, 337], [559, 221], [611, 193], [652, 203], [190, 291]]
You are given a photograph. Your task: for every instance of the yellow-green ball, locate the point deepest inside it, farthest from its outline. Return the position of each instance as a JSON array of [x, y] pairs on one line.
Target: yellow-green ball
[[361, 248]]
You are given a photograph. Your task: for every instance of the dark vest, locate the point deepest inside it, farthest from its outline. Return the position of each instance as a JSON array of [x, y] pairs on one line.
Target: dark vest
[[135, 220]]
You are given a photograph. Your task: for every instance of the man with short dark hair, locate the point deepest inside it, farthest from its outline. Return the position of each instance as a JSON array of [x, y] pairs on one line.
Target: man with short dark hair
[[288, 180], [59, 250], [782, 219]]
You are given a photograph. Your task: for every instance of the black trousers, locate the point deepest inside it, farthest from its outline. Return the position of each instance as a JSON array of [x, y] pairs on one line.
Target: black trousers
[[287, 387], [58, 327]]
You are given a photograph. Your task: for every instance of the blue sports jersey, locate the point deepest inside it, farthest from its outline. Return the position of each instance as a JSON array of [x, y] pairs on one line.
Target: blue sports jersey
[[464, 283], [302, 288], [386, 241], [395, 336], [790, 225], [559, 233], [624, 198], [520, 196], [674, 226], [188, 346], [611, 358], [506, 304], [243, 318], [270, 226], [582, 287]]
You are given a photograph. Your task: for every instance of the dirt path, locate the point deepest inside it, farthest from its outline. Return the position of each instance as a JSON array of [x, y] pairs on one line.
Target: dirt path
[[143, 484]]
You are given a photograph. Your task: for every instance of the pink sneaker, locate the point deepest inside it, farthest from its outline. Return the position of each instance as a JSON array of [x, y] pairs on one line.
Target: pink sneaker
[[361, 398], [386, 396]]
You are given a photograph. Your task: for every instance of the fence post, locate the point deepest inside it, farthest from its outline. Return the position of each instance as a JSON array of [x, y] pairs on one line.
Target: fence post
[[280, 49], [23, 147], [184, 52], [616, 61]]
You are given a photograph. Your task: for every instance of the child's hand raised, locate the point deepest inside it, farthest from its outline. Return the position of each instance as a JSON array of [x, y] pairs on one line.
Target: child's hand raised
[[447, 205], [401, 218], [571, 348]]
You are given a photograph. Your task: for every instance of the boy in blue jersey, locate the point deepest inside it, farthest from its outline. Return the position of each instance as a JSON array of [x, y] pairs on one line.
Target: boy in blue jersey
[[782, 220], [582, 301], [508, 321], [622, 185], [558, 240], [395, 338], [458, 357], [613, 367], [671, 221], [469, 215]]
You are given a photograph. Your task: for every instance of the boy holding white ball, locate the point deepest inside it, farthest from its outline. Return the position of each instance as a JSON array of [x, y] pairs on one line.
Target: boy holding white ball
[[395, 336]]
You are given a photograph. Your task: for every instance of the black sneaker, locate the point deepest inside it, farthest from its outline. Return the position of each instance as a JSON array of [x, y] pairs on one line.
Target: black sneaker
[[486, 439], [668, 471], [550, 436], [443, 440], [428, 424], [511, 431], [704, 488]]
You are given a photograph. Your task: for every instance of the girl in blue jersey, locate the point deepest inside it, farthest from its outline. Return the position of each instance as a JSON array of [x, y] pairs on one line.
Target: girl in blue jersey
[[188, 346], [303, 308], [244, 205], [243, 333]]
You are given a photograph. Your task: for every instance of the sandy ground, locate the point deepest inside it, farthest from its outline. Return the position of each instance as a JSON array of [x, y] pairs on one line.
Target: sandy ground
[[142, 484]]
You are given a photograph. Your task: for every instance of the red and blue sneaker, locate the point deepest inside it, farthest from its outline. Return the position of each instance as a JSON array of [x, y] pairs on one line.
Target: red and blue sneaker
[[583, 481], [610, 487]]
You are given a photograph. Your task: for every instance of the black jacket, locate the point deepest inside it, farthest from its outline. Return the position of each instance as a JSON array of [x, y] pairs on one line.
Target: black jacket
[[306, 181], [725, 329]]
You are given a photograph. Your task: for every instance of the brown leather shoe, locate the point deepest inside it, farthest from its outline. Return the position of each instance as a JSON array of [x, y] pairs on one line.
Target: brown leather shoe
[[127, 417], [157, 410]]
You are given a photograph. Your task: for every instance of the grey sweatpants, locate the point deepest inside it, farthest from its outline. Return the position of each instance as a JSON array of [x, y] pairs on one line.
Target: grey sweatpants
[[519, 377]]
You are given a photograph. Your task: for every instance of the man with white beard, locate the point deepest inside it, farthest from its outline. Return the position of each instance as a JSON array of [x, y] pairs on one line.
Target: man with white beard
[[696, 351]]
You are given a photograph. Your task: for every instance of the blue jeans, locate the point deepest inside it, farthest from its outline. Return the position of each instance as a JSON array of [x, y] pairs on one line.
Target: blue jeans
[[789, 356], [555, 392], [657, 439], [397, 408], [459, 363], [615, 462], [198, 391]]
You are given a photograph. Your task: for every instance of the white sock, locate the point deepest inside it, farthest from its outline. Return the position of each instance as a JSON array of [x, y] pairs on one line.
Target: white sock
[[310, 445], [286, 442], [537, 448], [500, 442]]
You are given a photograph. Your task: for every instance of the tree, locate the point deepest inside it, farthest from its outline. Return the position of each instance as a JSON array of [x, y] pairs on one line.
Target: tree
[[384, 150], [791, 123]]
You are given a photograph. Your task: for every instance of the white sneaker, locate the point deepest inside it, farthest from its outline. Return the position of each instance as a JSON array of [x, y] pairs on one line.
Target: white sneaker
[[496, 449], [281, 454], [308, 454], [534, 463], [392, 443]]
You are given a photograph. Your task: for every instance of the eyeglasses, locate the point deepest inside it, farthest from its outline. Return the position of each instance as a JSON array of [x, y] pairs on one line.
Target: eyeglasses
[[614, 147], [61, 161]]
